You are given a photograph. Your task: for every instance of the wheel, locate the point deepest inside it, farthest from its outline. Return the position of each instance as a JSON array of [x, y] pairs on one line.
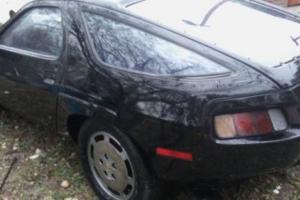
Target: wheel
[[113, 165]]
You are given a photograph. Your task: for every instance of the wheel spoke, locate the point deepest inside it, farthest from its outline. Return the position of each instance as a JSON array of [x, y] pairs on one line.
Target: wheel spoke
[[130, 181], [124, 196], [106, 138], [123, 155], [93, 142], [97, 167]]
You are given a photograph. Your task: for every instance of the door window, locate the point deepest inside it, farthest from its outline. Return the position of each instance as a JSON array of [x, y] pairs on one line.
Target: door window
[[39, 30]]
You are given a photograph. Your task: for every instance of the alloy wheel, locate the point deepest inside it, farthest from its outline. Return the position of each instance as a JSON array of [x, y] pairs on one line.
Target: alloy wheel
[[111, 166]]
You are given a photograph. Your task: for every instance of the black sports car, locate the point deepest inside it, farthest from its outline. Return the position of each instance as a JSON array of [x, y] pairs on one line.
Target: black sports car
[[156, 90]]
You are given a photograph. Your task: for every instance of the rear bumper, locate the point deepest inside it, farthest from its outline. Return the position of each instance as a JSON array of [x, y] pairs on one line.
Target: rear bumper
[[233, 159]]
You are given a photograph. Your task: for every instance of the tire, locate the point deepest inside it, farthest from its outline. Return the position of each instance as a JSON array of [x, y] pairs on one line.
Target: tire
[[113, 165]]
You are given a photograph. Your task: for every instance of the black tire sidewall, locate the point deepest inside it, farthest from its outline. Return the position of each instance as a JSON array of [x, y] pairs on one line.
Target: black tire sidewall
[[143, 181]]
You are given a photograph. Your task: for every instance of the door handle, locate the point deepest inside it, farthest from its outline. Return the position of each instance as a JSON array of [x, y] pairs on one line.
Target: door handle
[[49, 81], [49, 77]]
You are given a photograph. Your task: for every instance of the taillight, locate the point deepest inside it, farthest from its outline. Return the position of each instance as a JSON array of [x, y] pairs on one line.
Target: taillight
[[249, 123]]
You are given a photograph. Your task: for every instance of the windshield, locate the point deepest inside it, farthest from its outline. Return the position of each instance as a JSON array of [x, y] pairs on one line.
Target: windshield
[[240, 27]]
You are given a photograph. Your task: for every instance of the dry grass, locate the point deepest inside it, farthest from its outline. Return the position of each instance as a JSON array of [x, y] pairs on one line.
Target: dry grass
[[41, 177]]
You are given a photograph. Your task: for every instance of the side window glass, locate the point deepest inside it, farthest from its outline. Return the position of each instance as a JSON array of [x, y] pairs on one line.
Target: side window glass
[[39, 30], [123, 46]]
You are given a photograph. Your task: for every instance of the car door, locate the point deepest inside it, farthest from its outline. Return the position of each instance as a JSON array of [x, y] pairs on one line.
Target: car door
[[31, 49]]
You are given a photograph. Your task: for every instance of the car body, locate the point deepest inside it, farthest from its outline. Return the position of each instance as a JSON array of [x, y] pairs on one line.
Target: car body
[[168, 113]]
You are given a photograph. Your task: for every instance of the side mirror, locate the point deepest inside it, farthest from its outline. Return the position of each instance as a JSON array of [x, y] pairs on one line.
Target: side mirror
[[12, 13]]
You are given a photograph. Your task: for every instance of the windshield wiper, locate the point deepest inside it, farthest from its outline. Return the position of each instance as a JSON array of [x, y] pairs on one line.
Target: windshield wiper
[[127, 3], [295, 40], [211, 12], [207, 16]]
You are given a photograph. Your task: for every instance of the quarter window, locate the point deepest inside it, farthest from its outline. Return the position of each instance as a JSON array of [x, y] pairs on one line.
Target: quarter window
[[38, 30], [123, 46]]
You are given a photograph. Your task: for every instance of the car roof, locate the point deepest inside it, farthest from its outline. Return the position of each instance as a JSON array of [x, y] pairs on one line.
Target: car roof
[[122, 3]]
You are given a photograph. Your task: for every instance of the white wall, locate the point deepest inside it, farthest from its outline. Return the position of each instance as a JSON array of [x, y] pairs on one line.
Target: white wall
[[7, 5]]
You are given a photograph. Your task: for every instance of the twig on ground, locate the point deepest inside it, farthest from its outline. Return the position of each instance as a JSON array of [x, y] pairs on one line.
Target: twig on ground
[[8, 173]]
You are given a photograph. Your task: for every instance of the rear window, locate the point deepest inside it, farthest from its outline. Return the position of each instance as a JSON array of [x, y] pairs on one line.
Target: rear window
[[246, 29], [122, 46]]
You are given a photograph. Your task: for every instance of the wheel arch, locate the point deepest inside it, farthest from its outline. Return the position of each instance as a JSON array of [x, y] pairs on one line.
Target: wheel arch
[[75, 121]]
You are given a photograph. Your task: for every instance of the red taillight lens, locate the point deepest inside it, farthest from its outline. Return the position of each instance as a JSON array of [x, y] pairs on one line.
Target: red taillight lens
[[244, 124], [263, 122], [249, 124]]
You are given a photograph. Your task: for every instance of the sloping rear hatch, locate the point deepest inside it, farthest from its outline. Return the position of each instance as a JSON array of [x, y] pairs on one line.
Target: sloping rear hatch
[[268, 38]]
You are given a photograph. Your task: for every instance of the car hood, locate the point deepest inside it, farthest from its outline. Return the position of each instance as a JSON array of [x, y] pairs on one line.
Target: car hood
[[261, 35]]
